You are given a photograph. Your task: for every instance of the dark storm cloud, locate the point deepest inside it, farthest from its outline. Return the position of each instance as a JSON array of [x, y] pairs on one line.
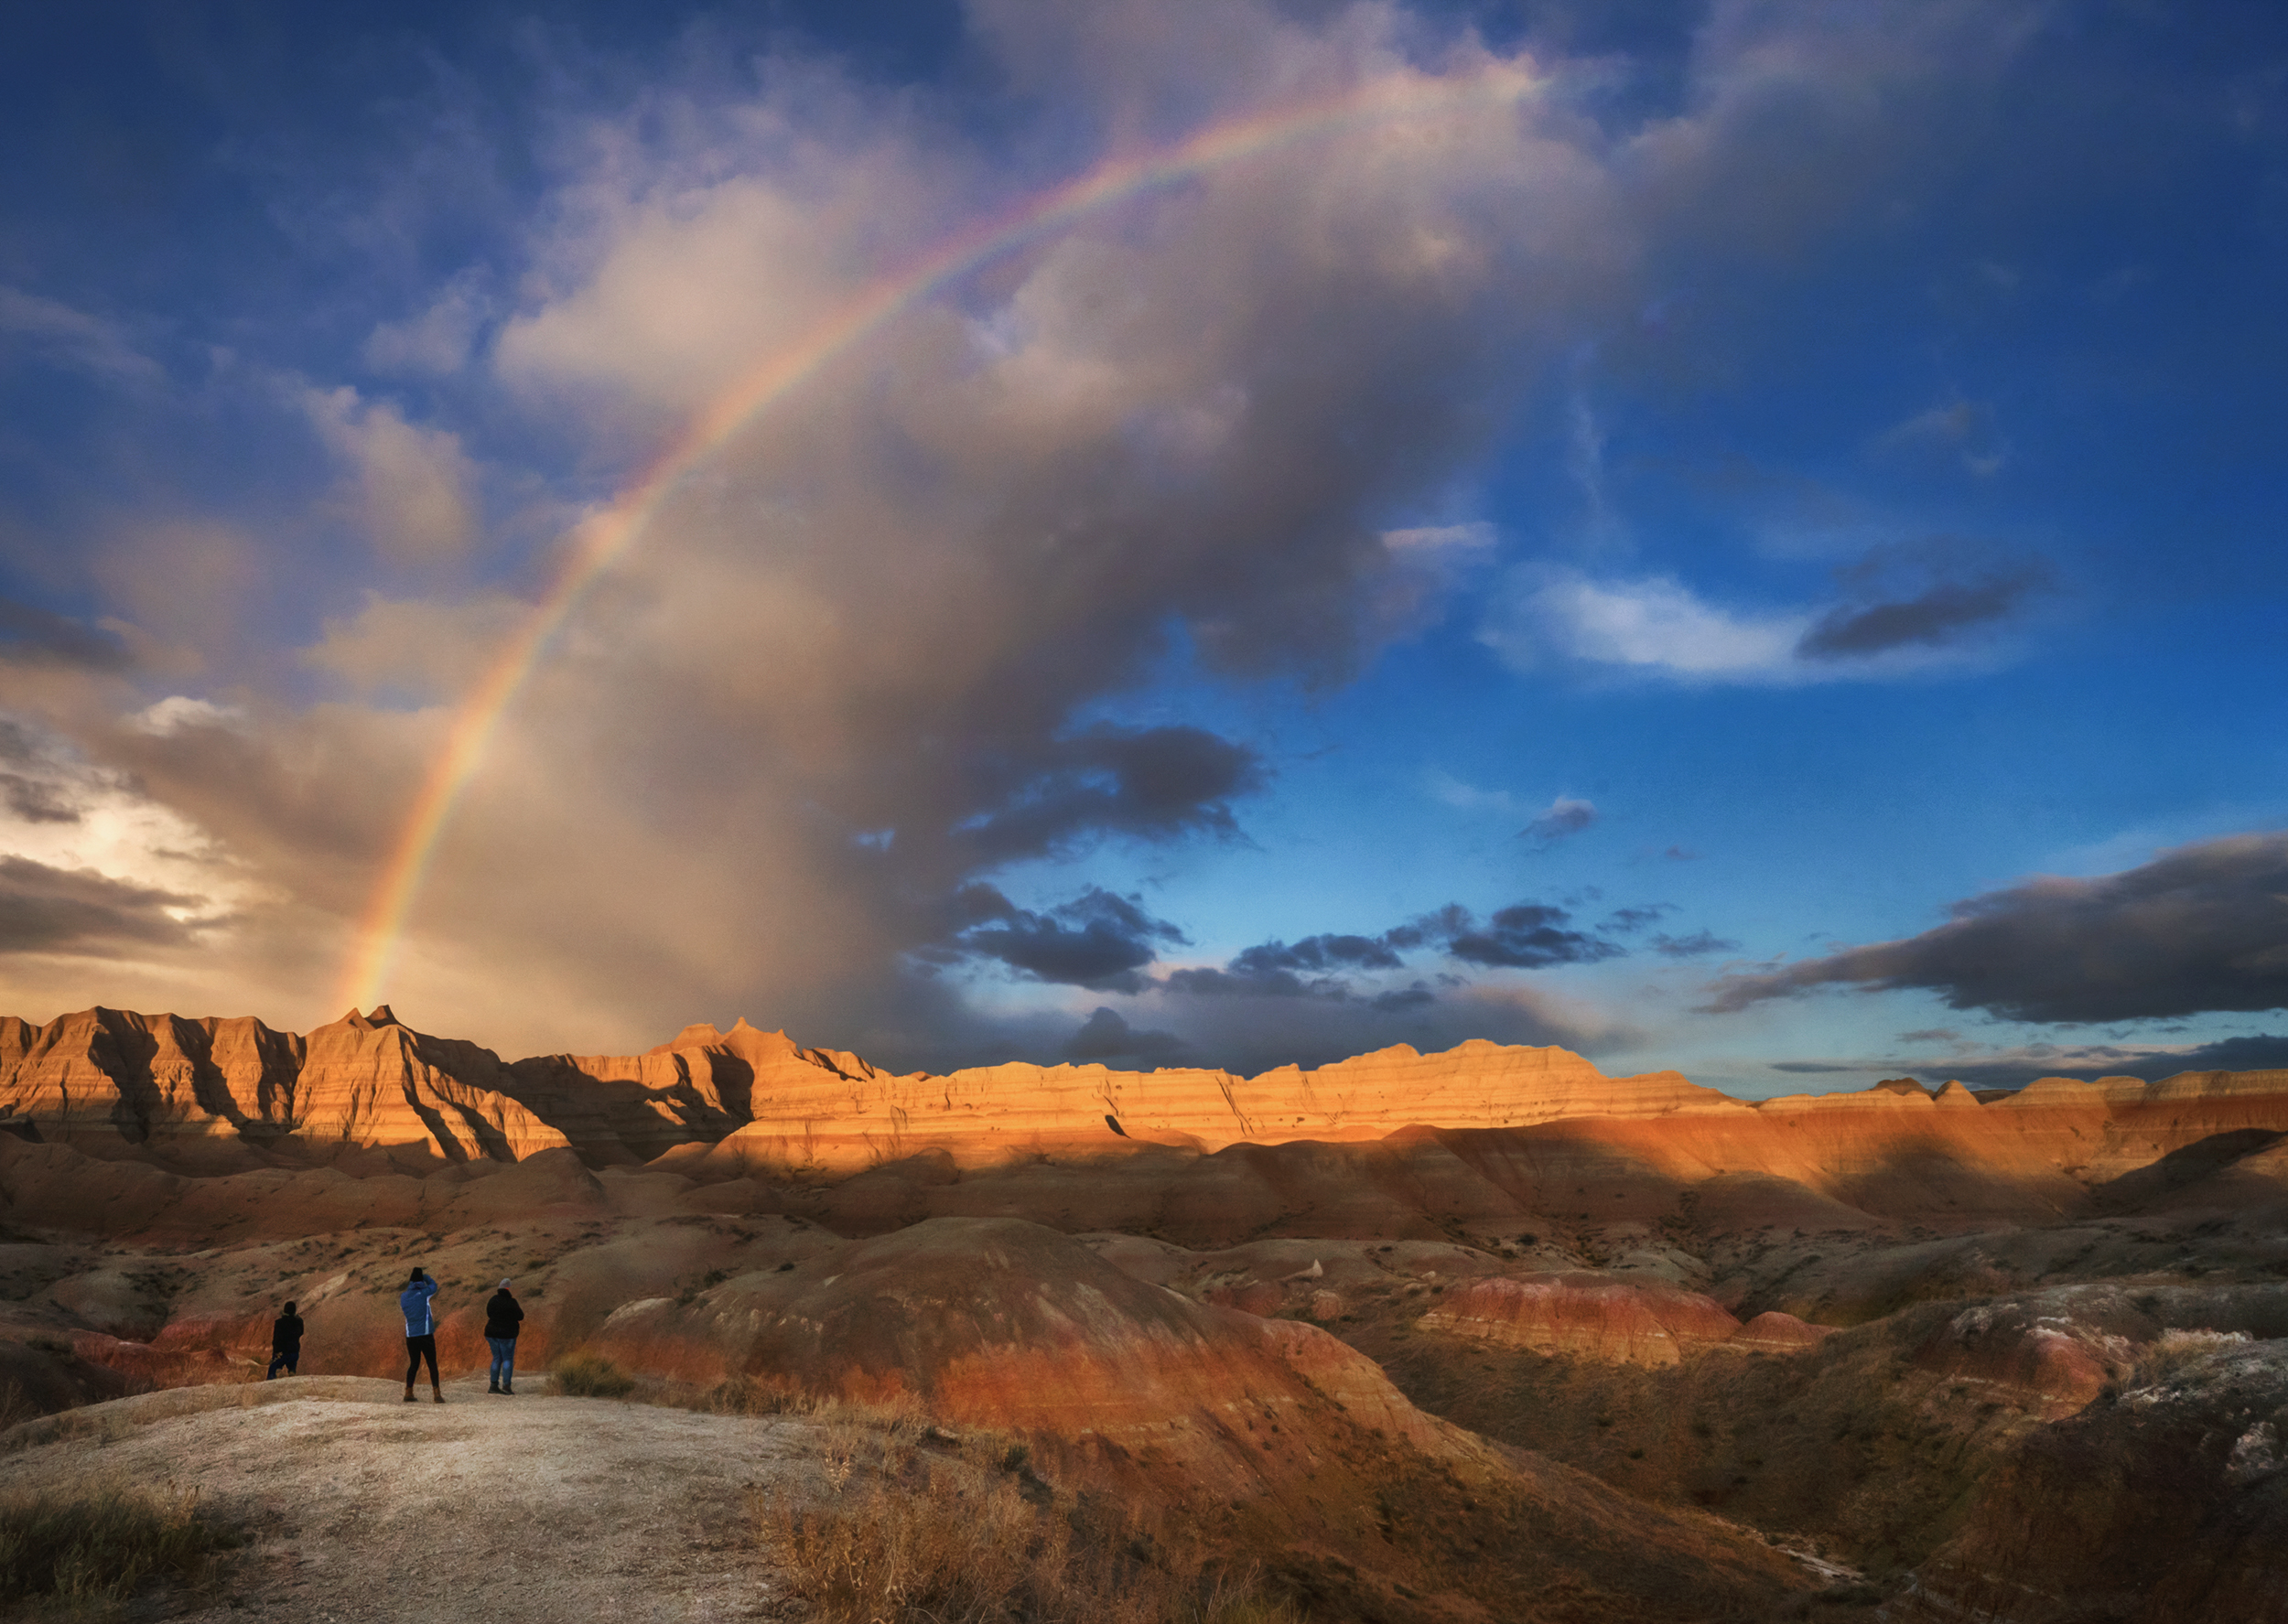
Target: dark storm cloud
[[32, 636], [1097, 941], [1939, 613], [1524, 936], [2203, 928], [1155, 783], [1106, 1036], [34, 801], [1530, 936], [1309, 968], [58, 910]]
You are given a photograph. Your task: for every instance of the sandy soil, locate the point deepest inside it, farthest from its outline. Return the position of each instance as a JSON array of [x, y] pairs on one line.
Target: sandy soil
[[361, 1506]]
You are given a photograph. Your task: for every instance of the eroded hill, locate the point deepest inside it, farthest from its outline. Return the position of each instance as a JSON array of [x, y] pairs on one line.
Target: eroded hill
[[1483, 1334]]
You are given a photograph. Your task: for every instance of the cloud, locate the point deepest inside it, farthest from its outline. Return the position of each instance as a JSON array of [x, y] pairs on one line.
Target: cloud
[[1097, 940], [1956, 428], [437, 342], [1930, 608], [1565, 818], [179, 714], [411, 490], [854, 666], [1466, 797], [2203, 928], [1656, 626], [33, 636], [72, 338], [1311, 967], [1151, 783], [36, 801], [1106, 1036], [1902, 612], [1528, 936], [1697, 945], [55, 911]]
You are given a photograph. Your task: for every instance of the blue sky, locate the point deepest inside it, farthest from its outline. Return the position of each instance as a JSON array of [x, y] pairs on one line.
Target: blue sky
[[1762, 556]]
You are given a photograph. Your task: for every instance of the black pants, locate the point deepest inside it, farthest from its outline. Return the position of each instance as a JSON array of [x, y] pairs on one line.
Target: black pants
[[416, 1349], [290, 1358]]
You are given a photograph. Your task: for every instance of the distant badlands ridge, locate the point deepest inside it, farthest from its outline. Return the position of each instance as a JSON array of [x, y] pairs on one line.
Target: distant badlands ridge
[[367, 1094]]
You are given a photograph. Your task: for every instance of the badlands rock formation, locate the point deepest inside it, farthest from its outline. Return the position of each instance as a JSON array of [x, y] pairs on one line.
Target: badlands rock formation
[[1366, 1321]]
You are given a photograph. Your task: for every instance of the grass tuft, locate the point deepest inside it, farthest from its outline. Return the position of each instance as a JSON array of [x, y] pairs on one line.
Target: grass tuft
[[941, 1542], [590, 1375], [86, 1550], [2171, 1351]]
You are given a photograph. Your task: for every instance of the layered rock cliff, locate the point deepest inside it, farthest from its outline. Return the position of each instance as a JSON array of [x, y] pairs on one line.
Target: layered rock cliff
[[204, 1093], [1510, 1129]]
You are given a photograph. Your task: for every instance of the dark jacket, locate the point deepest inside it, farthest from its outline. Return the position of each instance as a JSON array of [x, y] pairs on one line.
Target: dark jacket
[[286, 1331], [502, 1316]]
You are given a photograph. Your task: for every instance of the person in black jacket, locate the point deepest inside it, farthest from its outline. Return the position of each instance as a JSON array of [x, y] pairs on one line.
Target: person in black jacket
[[502, 1316], [286, 1343]]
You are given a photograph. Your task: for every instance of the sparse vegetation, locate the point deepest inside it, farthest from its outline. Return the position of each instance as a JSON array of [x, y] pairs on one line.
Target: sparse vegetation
[[952, 1542], [590, 1375], [85, 1552], [2171, 1351]]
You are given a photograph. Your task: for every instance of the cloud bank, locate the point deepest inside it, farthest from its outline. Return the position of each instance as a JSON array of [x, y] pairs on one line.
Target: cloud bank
[[2199, 929], [819, 745]]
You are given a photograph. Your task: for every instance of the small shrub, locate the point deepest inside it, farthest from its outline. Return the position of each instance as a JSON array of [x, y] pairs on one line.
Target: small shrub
[[89, 1549], [590, 1375]]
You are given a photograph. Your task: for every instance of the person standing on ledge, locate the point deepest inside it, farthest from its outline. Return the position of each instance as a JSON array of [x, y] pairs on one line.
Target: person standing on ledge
[[286, 1343], [502, 1316], [420, 1331]]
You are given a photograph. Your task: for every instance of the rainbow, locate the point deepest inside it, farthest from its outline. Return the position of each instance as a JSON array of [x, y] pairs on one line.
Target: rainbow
[[605, 537]]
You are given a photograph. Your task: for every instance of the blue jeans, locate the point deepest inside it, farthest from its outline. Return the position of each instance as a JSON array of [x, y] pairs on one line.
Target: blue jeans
[[504, 1360], [289, 1356]]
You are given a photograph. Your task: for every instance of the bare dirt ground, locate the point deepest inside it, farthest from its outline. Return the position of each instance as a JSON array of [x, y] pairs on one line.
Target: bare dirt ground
[[358, 1506]]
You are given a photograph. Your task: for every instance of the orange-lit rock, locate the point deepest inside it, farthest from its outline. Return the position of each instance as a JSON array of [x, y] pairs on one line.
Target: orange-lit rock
[[1585, 1315], [1774, 1332]]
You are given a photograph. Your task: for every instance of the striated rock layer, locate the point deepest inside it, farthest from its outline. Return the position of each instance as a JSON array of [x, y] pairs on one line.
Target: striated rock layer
[[1474, 1139], [109, 1081]]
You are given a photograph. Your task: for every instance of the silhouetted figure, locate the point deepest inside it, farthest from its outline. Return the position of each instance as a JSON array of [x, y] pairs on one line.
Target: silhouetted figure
[[420, 1332], [286, 1343], [502, 1316]]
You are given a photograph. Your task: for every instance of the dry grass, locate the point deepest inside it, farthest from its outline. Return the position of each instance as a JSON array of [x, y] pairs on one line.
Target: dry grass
[[590, 1375], [2171, 1351], [83, 1553], [906, 1538]]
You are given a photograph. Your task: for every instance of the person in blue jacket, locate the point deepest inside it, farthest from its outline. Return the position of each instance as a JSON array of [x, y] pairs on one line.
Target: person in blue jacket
[[420, 1332]]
